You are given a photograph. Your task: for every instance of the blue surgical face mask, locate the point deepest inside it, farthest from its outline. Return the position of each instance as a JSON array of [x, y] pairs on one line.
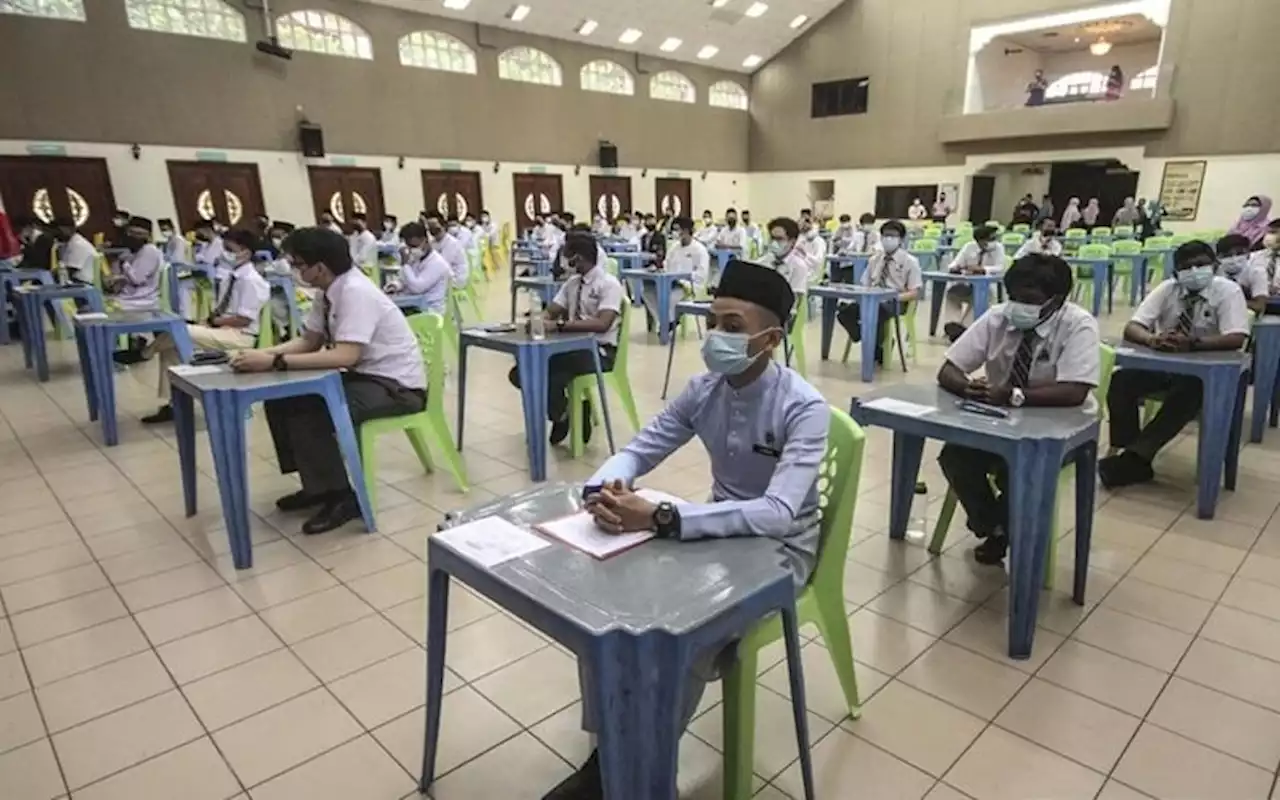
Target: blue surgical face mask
[[779, 249], [1195, 279], [1231, 265], [726, 353], [890, 243], [1023, 316]]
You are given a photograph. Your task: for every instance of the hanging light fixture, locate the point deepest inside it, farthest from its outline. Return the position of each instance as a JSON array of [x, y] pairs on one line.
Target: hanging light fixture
[[1100, 47]]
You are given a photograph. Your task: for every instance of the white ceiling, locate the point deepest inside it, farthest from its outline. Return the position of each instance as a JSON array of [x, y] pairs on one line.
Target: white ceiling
[[696, 22]]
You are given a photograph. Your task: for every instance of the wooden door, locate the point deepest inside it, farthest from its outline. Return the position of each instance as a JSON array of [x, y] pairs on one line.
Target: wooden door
[[339, 189], [452, 193], [675, 196], [49, 187], [536, 193], [610, 195], [228, 193]]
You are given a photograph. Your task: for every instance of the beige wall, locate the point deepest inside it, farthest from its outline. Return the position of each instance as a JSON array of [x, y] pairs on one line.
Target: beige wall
[[1222, 58], [1003, 78], [102, 81]]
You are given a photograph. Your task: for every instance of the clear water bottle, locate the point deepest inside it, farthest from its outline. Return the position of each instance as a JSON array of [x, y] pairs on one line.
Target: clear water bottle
[[537, 323], [918, 521]]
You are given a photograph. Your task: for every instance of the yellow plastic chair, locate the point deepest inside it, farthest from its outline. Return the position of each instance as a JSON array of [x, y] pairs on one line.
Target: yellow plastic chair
[[583, 387], [428, 425], [820, 603], [1106, 365], [796, 335]]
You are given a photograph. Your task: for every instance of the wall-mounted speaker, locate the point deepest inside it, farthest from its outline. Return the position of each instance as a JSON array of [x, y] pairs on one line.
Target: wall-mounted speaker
[[311, 139], [608, 155]]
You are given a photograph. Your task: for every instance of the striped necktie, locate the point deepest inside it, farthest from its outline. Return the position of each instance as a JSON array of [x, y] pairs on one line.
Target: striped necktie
[[882, 277], [225, 302], [1020, 375], [1187, 318], [1271, 266]]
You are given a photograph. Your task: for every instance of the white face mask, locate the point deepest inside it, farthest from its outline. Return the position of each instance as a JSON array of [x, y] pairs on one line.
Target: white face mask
[[1250, 213], [890, 243]]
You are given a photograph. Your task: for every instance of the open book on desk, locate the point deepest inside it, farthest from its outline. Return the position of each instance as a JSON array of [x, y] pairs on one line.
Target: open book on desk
[[580, 531]]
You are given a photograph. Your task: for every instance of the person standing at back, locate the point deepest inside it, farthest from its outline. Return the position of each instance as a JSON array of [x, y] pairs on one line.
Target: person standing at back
[[1090, 214], [917, 211], [354, 327]]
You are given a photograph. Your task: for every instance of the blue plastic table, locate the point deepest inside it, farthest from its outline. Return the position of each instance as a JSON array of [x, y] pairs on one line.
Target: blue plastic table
[[1266, 367], [285, 284], [1035, 442], [545, 285], [928, 259], [30, 301], [1138, 280], [95, 341], [693, 308], [226, 397], [869, 299], [631, 260], [982, 285], [614, 247], [722, 256], [858, 261], [1222, 375], [662, 281], [636, 622], [12, 278], [533, 358], [1102, 279]]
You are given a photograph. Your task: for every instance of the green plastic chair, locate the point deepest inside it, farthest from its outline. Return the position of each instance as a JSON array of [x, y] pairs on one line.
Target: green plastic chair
[[889, 342], [1073, 240], [1123, 255], [924, 244], [1156, 249], [1179, 239], [1106, 365], [1101, 235], [1022, 228], [796, 336], [821, 603], [1012, 242], [428, 424], [1122, 232], [266, 328], [995, 223], [583, 387], [1083, 289]]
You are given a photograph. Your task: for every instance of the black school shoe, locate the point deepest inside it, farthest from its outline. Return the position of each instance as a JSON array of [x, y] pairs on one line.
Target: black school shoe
[[338, 511], [991, 551], [585, 784], [560, 429], [586, 421], [1125, 469], [300, 501], [953, 331], [162, 415]]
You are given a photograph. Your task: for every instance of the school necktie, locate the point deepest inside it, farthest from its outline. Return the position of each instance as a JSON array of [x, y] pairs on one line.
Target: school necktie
[[1271, 266], [224, 302], [882, 277], [577, 300], [1188, 316], [1020, 375]]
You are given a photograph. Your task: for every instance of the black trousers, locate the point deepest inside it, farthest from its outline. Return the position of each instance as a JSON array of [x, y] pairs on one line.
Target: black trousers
[[1182, 398], [561, 371], [303, 432], [850, 318], [969, 472]]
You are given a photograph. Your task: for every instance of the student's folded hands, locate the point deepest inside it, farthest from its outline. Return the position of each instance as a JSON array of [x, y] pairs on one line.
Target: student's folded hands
[[251, 361], [1171, 341], [983, 392], [617, 509]]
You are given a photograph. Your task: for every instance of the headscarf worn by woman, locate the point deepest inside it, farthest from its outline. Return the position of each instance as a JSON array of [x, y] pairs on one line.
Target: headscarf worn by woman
[[1254, 229]]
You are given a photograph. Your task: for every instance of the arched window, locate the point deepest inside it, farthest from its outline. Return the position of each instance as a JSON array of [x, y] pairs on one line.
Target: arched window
[[53, 9], [727, 94], [324, 32], [607, 76], [530, 66], [212, 19], [1077, 84], [672, 86], [436, 50], [1144, 80]]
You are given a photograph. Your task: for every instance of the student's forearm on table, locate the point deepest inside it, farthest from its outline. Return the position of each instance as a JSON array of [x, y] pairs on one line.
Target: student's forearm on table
[[953, 379], [308, 342], [762, 516], [1225, 341], [335, 358], [1138, 334], [1059, 395]]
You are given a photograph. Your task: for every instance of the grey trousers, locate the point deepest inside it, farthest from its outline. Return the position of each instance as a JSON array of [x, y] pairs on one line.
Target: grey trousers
[[1183, 396], [303, 432]]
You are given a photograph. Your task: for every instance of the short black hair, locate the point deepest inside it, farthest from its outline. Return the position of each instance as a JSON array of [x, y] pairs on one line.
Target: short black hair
[[1274, 225], [413, 230], [165, 222], [845, 218], [241, 237], [684, 224], [582, 245], [359, 215], [453, 219], [436, 215], [1190, 251], [867, 219], [1233, 241], [64, 222], [317, 245], [1049, 220], [580, 227], [204, 223], [731, 211], [984, 232], [1052, 274], [894, 225], [568, 216], [788, 225]]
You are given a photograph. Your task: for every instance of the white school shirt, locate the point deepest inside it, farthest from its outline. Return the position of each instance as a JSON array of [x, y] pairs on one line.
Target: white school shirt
[[970, 256], [815, 250], [364, 248], [336, 228], [451, 249], [79, 259], [428, 276], [210, 253], [917, 211], [177, 250], [693, 257], [359, 313], [794, 266], [732, 237], [1222, 311], [599, 291], [862, 242], [389, 237], [464, 236], [249, 293], [1067, 351], [900, 271], [1251, 280], [1268, 263], [1038, 244], [142, 275], [707, 234]]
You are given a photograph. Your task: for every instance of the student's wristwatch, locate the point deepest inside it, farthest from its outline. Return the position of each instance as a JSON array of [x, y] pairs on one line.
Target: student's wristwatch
[[1017, 398], [666, 521]]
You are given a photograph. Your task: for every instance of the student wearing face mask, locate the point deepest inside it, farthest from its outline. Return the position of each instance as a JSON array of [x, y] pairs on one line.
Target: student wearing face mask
[[38, 241], [752, 230], [280, 265], [732, 236], [1037, 350], [136, 284], [460, 232], [1045, 240], [174, 245], [786, 256], [765, 429], [388, 236], [842, 237], [425, 272], [79, 259], [917, 212], [590, 301], [865, 238], [1192, 311], [488, 228], [815, 249], [889, 268], [688, 255], [1267, 260], [233, 324], [1253, 220], [208, 247], [119, 233], [974, 258], [450, 249], [1233, 263], [362, 243], [708, 232], [601, 227]]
